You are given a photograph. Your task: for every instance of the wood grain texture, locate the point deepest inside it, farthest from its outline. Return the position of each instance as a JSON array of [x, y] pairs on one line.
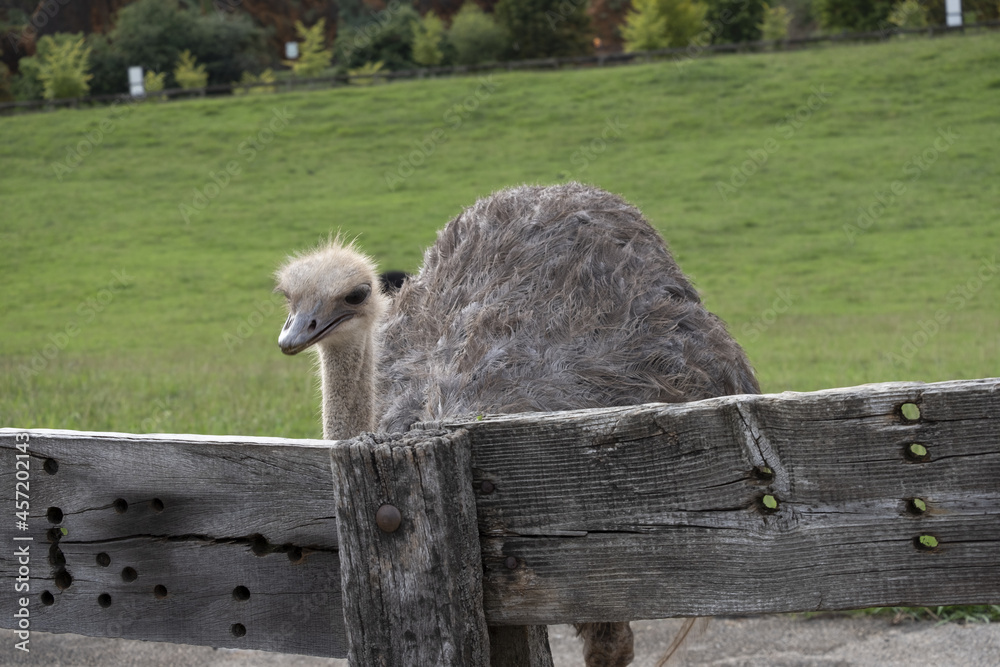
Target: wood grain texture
[[231, 512], [412, 596], [624, 513], [656, 511]]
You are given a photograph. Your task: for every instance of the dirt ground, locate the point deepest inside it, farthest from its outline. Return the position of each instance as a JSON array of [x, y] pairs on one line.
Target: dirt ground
[[765, 641]]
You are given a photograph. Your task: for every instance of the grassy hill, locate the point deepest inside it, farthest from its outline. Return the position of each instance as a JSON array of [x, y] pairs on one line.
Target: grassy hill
[[137, 269]]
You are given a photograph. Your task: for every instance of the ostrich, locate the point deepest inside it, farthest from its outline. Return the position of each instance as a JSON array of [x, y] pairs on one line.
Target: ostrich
[[533, 299], [391, 281]]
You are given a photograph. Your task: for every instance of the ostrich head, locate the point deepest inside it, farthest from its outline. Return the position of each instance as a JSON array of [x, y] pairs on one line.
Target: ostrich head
[[334, 299]]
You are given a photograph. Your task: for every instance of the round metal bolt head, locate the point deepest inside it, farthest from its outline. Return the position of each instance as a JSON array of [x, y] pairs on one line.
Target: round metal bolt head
[[487, 487], [388, 518], [510, 562]]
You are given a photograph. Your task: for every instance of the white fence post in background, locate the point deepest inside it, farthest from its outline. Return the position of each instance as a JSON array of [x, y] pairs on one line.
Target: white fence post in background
[[953, 10], [136, 88]]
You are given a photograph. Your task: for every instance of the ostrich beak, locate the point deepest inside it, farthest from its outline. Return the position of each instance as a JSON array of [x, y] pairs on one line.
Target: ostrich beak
[[304, 329]]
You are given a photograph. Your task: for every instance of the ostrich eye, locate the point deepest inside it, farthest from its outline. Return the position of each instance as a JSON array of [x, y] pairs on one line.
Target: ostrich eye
[[358, 295]]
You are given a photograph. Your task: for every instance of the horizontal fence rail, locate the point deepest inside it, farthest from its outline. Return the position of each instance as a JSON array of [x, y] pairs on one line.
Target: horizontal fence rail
[[599, 60], [219, 541], [877, 495]]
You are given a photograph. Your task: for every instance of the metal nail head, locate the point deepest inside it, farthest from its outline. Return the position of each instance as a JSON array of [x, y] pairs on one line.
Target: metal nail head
[[388, 518]]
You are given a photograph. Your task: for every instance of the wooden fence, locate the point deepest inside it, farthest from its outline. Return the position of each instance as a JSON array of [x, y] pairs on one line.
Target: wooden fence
[[455, 539], [682, 54]]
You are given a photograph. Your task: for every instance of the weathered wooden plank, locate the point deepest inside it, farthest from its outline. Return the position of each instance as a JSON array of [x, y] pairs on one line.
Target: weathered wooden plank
[[199, 516], [658, 510], [411, 573], [624, 513]]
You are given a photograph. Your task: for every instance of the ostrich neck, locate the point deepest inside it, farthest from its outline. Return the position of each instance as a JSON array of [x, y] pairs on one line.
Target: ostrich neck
[[348, 379]]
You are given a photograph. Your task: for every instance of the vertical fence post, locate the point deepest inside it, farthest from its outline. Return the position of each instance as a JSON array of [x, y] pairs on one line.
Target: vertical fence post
[[411, 565]]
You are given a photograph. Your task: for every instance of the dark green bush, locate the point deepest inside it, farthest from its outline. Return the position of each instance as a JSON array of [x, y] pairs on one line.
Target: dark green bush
[[153, 33], [854, 15], [734, 20], [108, 67], [386, 36], [545, 28]]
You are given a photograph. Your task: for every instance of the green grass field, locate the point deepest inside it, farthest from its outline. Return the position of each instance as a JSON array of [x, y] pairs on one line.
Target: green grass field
[[123, 310]]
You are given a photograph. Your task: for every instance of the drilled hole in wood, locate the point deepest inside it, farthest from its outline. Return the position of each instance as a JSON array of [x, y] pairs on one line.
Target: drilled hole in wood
[[54, 515], [56, 557], [53, 535], [294, 554], [104, 600], [916, 452], [129, 574], [926, 542], [156, 504], [916, 506], [47, 598], [63, 579], [103, 559], [120, 505], [238, 630], [259, 545], [910, 412], [763, 474], [769, 504], [159, 591], [241, 593], [50, 466]]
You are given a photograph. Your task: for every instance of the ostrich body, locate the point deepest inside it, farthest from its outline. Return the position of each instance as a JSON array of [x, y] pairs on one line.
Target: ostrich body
[[533, 299]]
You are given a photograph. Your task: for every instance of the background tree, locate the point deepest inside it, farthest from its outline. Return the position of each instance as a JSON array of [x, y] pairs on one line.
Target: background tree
[[734, 20], [775, 23], [154, 82], [475, 37], [657, 24], [107, 65], [58, 69], [908, 14], [545, 28], [244, 88], [314, 57], [428, 36], [645, 28], [63, 71], [188, 74]]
